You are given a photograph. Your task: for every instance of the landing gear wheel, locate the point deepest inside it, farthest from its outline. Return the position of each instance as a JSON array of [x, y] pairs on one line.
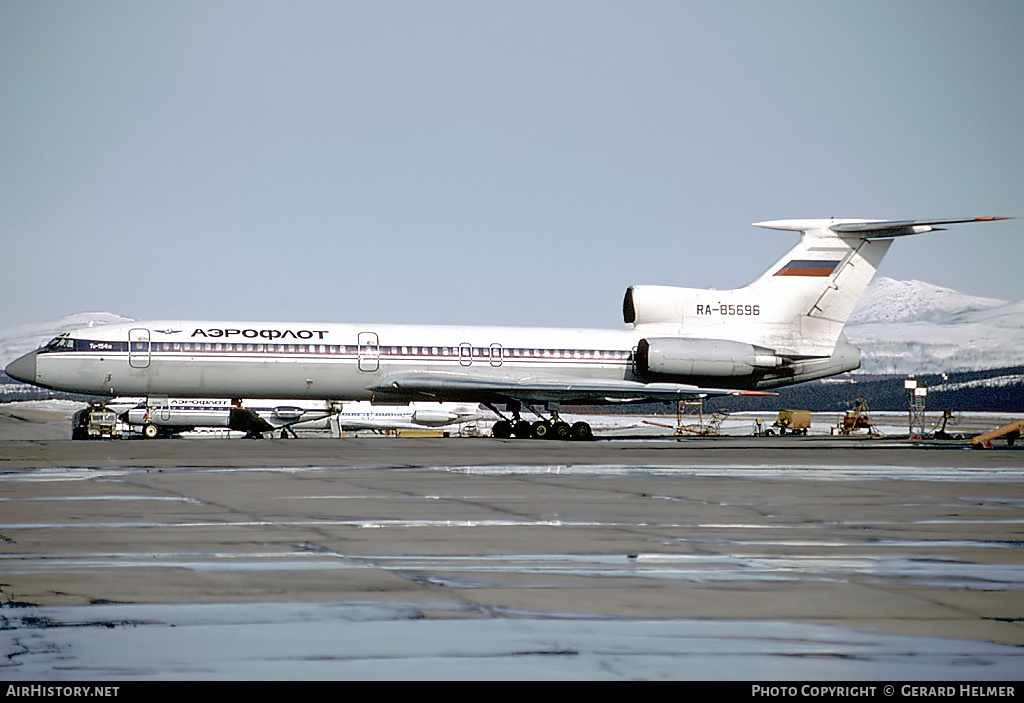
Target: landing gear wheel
[[522, 429], [581, 431], [560, 430], [542, 429], [502, 429], [150, 431]]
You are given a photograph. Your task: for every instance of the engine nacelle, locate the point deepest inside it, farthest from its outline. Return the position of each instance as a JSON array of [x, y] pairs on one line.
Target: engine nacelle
[[432, 417], [676, 356]]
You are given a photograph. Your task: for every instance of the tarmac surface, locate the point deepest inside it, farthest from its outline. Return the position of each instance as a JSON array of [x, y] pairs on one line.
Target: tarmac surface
[[712, 558]]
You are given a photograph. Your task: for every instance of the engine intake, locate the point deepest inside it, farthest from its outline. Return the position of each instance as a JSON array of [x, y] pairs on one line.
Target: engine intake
[[653, 304], [675, 356]]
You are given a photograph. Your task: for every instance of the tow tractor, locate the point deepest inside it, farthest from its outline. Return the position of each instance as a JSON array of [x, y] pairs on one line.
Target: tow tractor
[[95, 422], [794, 422]]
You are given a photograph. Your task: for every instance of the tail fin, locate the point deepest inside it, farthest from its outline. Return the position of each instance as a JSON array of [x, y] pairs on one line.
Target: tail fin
[[799, 306]]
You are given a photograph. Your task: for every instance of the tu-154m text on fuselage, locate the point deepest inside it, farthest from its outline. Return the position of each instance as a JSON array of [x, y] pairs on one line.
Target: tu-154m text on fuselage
[[783, 328]]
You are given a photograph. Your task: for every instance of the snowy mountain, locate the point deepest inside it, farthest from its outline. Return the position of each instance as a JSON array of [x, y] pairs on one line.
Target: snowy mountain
[[910, 327], [887, 300]]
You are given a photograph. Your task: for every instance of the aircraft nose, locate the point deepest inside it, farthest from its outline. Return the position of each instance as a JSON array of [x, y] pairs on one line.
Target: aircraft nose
[[23, 368]]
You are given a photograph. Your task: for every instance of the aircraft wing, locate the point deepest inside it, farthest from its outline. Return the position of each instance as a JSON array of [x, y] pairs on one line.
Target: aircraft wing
[[538, 389]]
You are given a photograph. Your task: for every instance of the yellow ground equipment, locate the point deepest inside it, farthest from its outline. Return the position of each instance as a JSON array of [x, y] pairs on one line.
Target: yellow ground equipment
[[855, 419], [793, 422], [1009, 432]]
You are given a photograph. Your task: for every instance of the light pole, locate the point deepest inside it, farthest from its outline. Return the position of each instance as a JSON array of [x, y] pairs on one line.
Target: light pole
[[916, 397]]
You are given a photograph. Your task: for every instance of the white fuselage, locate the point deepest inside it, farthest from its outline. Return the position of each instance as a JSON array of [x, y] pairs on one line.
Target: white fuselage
[[316, 361]]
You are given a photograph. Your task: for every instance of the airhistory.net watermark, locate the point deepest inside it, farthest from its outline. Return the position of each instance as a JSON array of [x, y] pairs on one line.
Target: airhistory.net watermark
[[40, 691]]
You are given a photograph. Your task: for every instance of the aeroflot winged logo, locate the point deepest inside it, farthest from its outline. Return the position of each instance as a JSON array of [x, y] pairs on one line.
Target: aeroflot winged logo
[[259, 334], [807, 267]]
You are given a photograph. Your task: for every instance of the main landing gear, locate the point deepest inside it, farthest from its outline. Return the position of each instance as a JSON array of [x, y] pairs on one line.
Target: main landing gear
[[555, 428]]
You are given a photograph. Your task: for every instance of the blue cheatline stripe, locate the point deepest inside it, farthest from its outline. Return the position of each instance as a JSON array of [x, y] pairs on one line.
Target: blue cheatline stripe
[[405, 352]]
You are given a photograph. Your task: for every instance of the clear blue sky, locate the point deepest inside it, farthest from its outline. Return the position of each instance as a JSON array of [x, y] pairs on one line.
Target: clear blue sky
[[488, 162]]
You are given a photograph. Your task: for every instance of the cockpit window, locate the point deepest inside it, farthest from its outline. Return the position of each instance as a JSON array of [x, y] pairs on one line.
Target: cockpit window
[[61, 342]]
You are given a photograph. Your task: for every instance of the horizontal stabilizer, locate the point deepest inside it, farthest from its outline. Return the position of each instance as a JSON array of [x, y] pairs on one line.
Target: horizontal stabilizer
[[901, 228], [870, 229]]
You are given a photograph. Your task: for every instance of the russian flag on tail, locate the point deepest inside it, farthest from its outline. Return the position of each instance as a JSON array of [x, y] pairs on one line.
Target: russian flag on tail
[[808, 267]]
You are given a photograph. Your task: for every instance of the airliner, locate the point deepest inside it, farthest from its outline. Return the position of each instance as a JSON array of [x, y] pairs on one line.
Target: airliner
[[785, 327], [162, 417]]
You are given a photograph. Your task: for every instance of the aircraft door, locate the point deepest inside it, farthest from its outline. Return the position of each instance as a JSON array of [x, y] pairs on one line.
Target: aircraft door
[[159, 408], [369, 351], [138, 348], [495, 355], [465, 354]]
